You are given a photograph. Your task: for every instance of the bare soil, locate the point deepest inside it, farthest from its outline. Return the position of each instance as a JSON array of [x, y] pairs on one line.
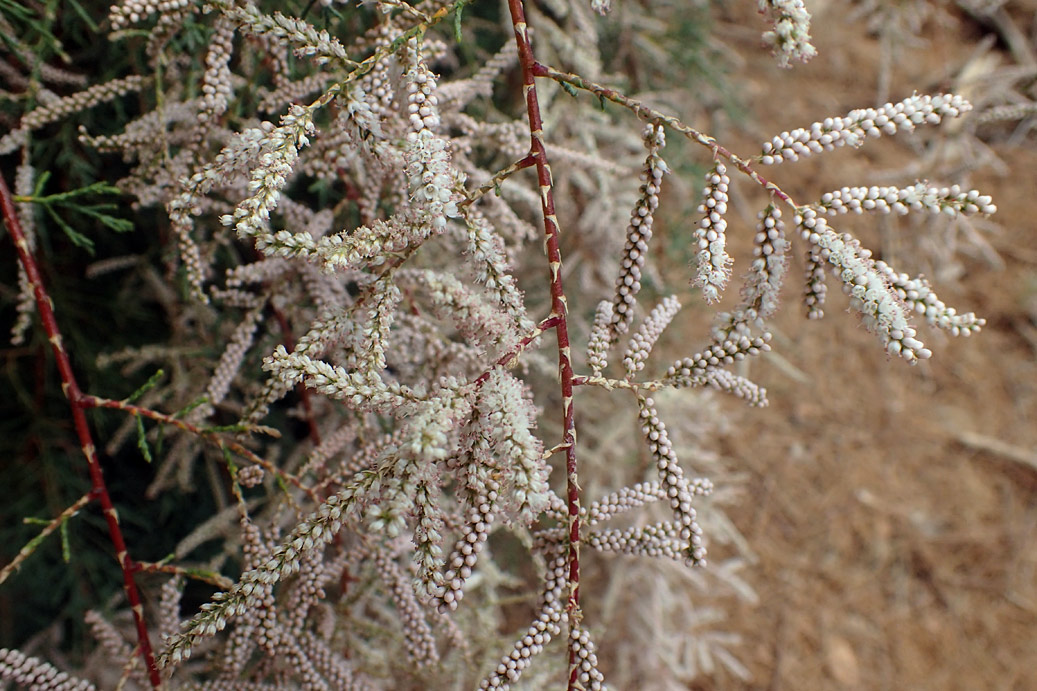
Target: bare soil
[[893, 509]]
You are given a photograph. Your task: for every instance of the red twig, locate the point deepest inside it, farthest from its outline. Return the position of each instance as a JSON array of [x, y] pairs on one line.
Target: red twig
[[648, 114], [559, 311], [509, 357], [88, 401], [76, 400]]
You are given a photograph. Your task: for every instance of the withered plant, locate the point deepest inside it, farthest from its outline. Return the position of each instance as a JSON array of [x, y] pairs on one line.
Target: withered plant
[[375, 354]]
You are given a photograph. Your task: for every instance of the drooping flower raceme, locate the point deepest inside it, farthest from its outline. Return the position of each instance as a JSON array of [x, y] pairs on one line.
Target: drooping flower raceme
[[857, 125], [789, 39]]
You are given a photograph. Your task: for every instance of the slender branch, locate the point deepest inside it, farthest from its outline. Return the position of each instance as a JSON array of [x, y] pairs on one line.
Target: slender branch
[[500, 176], [204, 576], [26, 551], [512, 355], [202, 433], [654, 116], [610, 384], [559, 310], [70, 387]]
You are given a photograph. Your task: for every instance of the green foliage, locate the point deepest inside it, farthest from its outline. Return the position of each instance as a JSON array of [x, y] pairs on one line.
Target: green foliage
[[76, 205]]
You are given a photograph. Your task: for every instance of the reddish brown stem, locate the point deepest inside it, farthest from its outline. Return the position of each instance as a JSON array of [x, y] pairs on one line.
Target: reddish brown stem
[[88, 401], [509, 357], [648, 114], [559, 311], [76, 400]]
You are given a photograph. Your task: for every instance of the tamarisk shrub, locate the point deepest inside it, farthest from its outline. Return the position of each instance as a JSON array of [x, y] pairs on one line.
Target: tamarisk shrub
[[379, 284]]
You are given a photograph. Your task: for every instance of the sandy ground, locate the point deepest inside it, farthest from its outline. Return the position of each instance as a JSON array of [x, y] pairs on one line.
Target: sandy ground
[[893, 509]]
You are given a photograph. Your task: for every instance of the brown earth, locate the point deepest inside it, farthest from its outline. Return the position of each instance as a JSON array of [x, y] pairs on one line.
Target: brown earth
[[893, 509]]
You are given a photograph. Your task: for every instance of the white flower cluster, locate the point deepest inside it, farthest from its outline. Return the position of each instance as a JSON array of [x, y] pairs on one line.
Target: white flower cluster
[[598, 343], [33, 673], [814, 288], [919, 296], [250, 476], [216, 80], [428, 539], [480, 322], [770, 260], [363, 390], [713, 266], [167, 611], [736, 348], [280, 151], [258, 625], [857, 125], [728, 382], [641, 343], [655, 541], [589, 676], [659, 540], [639, 233], [428, 160], [249, 593], [422, 102], [381, 312], [719, 379], [141, 134], [57, 109], [134, 11], [678, 490], [881, 308], [230, 361], [789, 40], [431, 177], [286, 244], [429, 431], [418, 638], [493, 269], [329, 327], [900, 200], [181, 210], [762, 285], [546, 625], [379, 83], [306, 40], [508, 418], [623, 500], [466, 551], [359, 109], [368, 244]]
